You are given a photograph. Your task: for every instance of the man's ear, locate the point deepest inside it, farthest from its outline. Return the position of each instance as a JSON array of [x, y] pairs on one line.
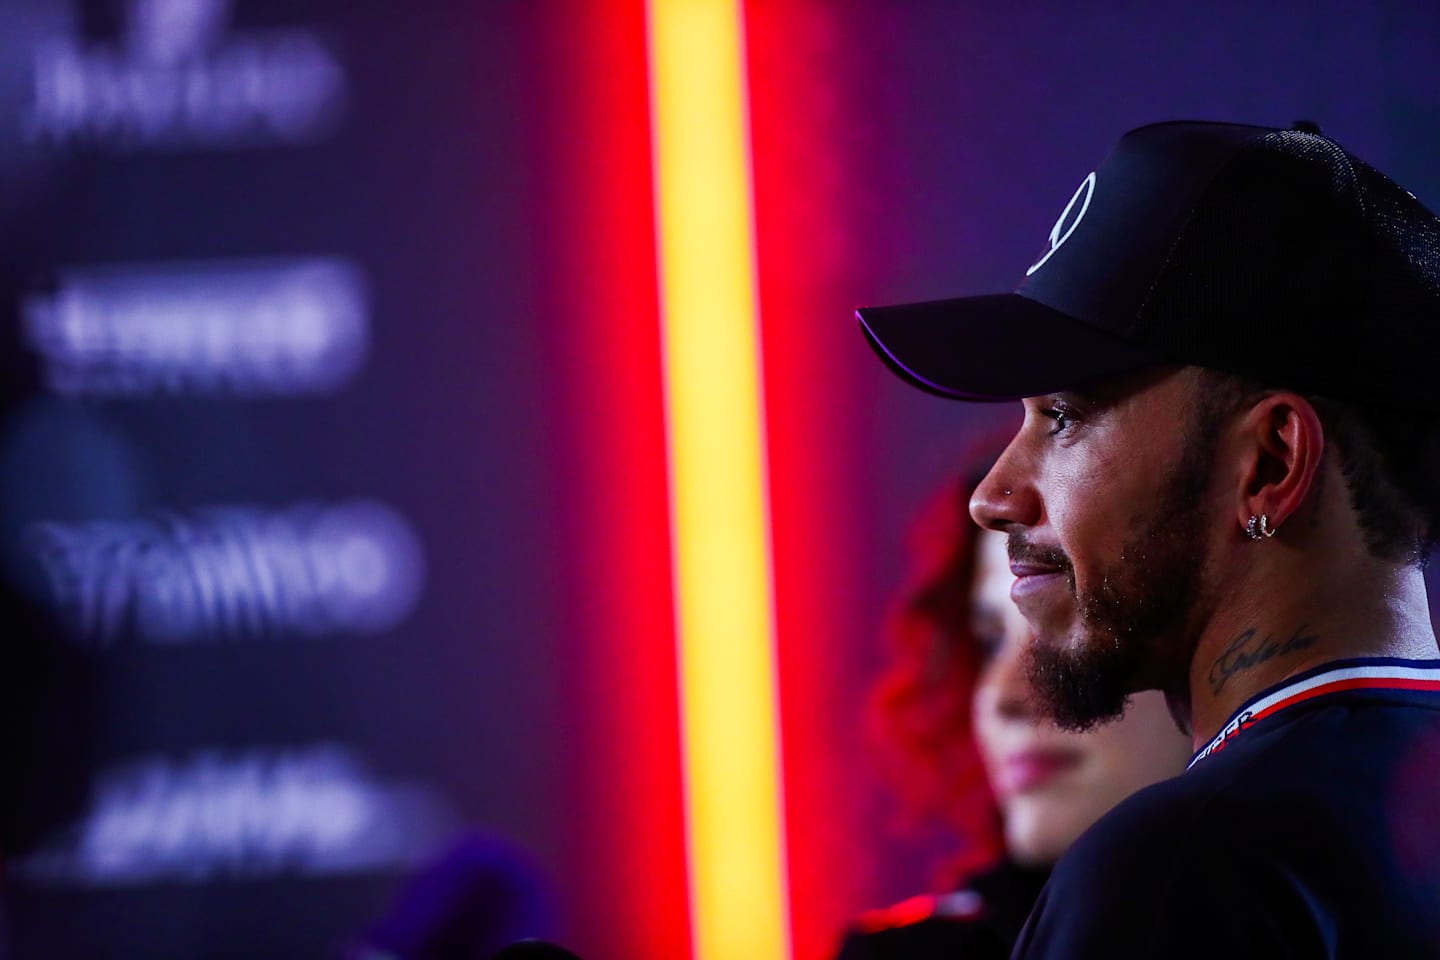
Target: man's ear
[[1284, 443]]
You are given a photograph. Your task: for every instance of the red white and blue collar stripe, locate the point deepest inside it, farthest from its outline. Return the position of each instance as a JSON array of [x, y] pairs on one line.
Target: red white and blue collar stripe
[[1376, 674]]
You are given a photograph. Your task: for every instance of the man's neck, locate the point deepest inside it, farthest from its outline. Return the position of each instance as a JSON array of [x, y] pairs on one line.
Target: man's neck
[[1250, 646]]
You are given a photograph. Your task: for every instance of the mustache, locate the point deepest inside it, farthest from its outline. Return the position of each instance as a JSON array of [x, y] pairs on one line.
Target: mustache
[[1023, 551]]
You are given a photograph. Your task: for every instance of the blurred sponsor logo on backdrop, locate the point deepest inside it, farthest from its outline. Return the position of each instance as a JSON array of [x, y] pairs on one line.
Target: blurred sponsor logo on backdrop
[[244, 328], [303, 810], [179, 77], [191, 476], [233, 573]]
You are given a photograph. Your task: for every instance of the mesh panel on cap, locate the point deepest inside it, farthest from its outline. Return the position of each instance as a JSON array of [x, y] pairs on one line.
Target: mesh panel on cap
[[1267, 265], [1302, 267], [1404, 301]]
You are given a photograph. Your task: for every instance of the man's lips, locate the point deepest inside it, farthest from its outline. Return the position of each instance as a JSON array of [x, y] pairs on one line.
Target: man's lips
[[1031, 578], [1038, 562], [1031, 569], [1032, 769]]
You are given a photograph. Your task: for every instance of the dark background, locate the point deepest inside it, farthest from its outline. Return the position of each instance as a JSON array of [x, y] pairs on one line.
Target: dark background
[[484, 169]]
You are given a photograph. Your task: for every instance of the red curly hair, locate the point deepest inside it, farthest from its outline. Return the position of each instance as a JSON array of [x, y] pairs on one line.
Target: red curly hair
[[920, 708]]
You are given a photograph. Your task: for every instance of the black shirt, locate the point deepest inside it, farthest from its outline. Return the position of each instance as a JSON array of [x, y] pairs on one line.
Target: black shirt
[[1310, 827], [978, 922]]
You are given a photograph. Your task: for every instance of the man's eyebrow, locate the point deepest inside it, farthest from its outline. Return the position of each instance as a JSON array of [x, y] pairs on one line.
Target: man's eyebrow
[[1101, 395], [1075, 398]]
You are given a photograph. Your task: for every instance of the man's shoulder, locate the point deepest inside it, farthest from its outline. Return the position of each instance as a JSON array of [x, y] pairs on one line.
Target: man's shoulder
[[1332, 761], [1174, 855], [1184, 838], [1290, 833], [1142, 835]]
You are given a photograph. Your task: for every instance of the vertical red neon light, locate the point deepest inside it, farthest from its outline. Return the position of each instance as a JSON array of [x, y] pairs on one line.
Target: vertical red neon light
[[797, 64], [629, 895], [632, 833], [719, 484]]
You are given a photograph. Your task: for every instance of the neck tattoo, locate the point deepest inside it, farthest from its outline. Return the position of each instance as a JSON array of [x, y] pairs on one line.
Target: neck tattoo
[[1246, 651]]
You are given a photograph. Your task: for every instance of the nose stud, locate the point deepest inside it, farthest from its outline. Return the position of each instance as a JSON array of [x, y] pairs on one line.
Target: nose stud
[[1007, 491]]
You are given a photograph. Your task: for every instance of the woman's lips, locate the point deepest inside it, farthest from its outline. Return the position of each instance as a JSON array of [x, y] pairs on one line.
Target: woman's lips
[[1032, 769]]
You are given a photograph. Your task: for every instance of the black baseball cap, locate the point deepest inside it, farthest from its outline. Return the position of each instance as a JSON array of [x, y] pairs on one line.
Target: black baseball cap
[[1270, 253]]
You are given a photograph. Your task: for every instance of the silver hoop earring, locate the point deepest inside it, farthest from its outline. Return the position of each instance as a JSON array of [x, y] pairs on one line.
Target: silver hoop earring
[[1258, 528]]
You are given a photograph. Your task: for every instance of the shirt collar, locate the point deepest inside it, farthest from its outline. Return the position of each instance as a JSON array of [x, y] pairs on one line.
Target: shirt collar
[[1371, 673]]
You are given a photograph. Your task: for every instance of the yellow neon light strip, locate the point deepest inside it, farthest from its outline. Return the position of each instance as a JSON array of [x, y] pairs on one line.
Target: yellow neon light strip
[[719, 515]]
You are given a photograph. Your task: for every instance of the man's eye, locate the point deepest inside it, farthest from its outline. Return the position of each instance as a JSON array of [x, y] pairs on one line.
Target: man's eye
[[1062, 417]]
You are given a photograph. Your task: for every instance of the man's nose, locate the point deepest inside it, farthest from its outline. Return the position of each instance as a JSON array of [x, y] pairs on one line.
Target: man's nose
[[1006, 498]]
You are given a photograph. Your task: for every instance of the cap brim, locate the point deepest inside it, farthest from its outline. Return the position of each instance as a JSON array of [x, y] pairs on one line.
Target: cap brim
[[1001, 347]]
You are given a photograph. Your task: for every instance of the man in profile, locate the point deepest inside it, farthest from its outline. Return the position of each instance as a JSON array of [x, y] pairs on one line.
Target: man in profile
[[1224, 488]]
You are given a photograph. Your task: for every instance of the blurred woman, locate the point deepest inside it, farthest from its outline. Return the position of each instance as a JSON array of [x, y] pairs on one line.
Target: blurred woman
[[955, 712]]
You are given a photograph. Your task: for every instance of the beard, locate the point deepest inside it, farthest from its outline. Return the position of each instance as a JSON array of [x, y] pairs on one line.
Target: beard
[[1138, 614]]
